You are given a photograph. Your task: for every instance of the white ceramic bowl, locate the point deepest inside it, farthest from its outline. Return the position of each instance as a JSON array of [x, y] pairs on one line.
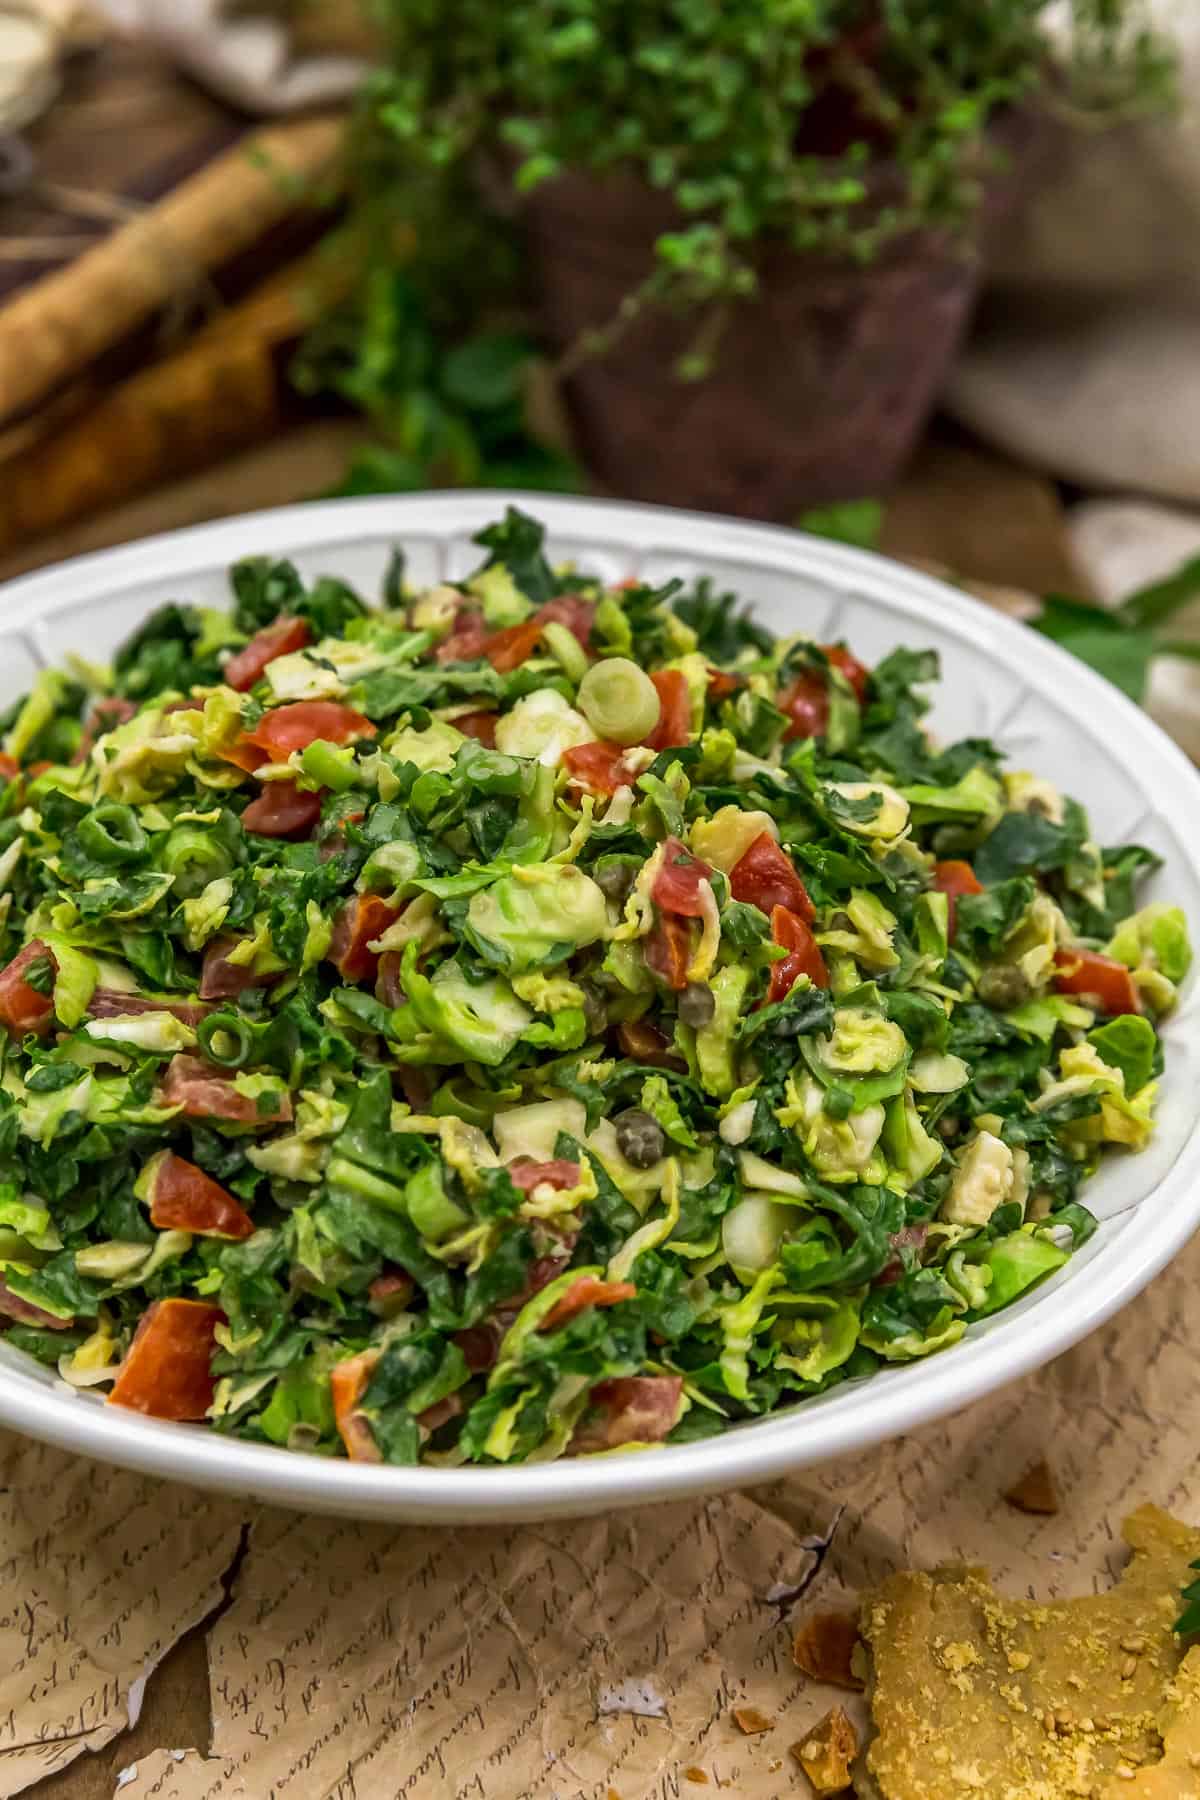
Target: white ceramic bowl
[[999, 680]]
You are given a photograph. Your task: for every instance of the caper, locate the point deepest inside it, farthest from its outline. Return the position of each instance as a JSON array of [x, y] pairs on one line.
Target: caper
[[1002, 986], [615, 876], [640, 1139], [696, 1005], [595, 1011]]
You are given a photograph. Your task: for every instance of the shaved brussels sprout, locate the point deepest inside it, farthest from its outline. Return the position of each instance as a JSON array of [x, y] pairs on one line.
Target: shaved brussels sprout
[[542, 725], [541, 913]]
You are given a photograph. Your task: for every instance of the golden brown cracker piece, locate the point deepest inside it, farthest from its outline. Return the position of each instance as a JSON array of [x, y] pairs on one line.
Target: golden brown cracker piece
[[1177, 1776], [750, 1721], [1035, 1492], [976, 1695], [826, 1754], [824, 1647]]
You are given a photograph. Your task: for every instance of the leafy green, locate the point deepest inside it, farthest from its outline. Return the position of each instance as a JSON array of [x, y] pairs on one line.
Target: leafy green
[[1027, 841], [722, 626], [476, 1067], [1121, 643]]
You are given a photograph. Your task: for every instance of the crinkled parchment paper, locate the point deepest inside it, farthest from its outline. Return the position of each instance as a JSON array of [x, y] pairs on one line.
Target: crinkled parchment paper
[[576, 1661], [100, 1573]]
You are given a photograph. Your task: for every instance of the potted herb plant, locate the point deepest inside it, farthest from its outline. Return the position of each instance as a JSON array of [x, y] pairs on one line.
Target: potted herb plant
[[749, 230]]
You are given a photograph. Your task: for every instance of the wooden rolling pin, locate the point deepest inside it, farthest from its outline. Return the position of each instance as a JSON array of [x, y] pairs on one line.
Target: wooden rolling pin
[[56, 327], [225, 389]]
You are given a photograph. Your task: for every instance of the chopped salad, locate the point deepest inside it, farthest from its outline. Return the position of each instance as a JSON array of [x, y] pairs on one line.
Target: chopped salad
[[537, 1017]]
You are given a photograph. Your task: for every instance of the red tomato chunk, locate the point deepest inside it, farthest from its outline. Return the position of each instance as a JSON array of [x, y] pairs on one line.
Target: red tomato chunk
[[23, 1006], [166, 1372], [246, 666], [186, 1199], [803, 955], [1087, 973], [766, 878]]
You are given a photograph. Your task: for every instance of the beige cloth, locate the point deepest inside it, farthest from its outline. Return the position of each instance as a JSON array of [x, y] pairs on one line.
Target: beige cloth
[[247, 59], [1122, 545], [34, 36], [1086, 356]]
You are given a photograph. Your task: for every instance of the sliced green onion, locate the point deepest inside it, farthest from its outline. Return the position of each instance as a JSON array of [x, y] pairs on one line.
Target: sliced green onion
[[619, 701], [332, 765], [111, 834], [566, 650], [227, 1039], [194, 857]]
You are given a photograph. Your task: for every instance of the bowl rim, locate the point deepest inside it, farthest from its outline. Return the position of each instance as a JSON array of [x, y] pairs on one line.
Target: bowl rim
[[864, 1414]]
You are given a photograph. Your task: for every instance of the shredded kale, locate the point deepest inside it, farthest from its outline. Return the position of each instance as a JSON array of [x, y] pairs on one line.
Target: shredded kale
[[479, 1083]]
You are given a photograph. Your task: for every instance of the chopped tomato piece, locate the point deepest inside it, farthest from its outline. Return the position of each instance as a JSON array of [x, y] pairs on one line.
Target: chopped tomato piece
[[955, 879], [721, 685], [388, 986], [600, 766], [440, 1413], [766, 878], [23, 1007], [347, 1384], [243, 755], [1086, 972], [674, 726], [668, 950], [10, 768], [111, 1003], [573, 612], [391, 1292], [628, 1409], [301, 722], [806, 698], [677, 885], [587, 1291], [479, 725], [361, 920], [465, 642], [527, 1174], [417, 1085], [541, 1271], [333, 837], [202, 1092], [803, 955], [479, 1345], [806, 703], [508, 649], [646, 1044], [847, 664], [105, 716], [464, 645], [22, 1312], [910, 1237], [246, 666], [221, 979], [282, 810], [186, 1199], [166, 1372]]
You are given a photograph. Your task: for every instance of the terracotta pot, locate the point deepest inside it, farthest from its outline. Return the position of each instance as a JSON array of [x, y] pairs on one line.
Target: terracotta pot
[[821, 384]]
